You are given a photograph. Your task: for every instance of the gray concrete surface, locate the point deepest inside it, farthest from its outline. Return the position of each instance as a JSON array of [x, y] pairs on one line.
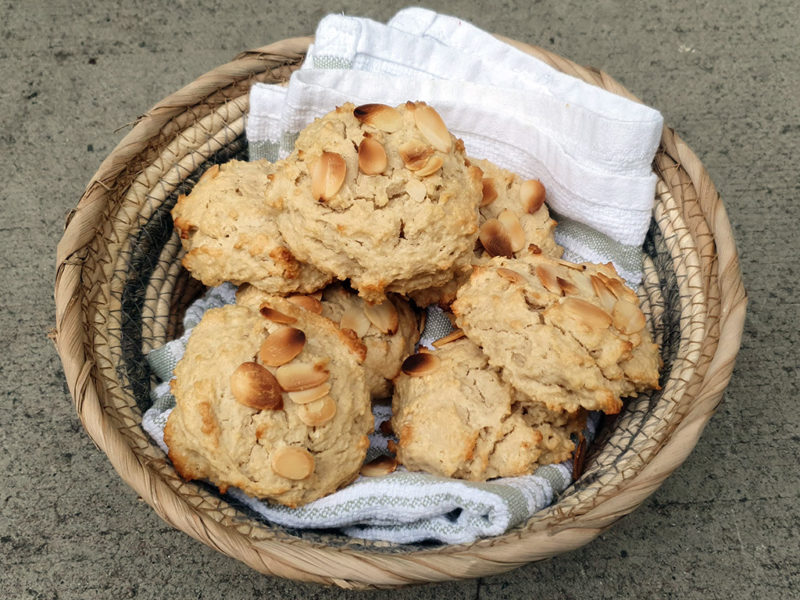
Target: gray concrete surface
[[724, 73]]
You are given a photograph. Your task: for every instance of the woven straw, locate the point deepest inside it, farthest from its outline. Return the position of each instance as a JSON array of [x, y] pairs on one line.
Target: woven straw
[[120, 291]]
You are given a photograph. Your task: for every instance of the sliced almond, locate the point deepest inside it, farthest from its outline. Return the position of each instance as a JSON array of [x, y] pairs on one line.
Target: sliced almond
[[292, 462], [510, 275], [299, 376], [495, 240], [355, 320], [605, 295], [372, 159], [380, 116], [327, 176], [587, 313], [383, 316], [489, 191], [318, 412], [451, 337], [415, 155], [275, 315], [416, 190], [210, 173], [432, 127], [532, 195], [516, 234], [309, 303], [420, 364], [311, 394], [434, 164], [383, 465], [569, 288], [627, 317], [548, 279], [253, 386], [281, 346]]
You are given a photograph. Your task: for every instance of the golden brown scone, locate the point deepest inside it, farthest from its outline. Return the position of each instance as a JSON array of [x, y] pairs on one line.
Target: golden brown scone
[[567, 335], [455, 417], [273, 402], [227, 227], [382, 197]]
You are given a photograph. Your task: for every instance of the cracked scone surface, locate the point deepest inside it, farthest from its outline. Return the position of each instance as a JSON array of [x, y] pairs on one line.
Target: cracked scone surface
[[381, 196], [568, 335], [227, 227], [237, 426], [458, 419]]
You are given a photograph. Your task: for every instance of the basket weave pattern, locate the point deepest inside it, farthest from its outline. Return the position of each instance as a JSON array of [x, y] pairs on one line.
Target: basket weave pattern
[[120, 292]]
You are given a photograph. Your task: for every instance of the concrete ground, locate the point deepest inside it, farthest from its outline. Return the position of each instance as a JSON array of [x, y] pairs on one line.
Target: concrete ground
[[725, 75]]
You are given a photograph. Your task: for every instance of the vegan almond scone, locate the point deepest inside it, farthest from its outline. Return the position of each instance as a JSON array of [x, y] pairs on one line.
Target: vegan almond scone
[[227, 227], [272, 401], [569, 335], [382, 197]]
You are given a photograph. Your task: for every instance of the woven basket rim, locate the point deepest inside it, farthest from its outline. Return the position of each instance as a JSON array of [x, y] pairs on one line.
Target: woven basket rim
[[356, 568]]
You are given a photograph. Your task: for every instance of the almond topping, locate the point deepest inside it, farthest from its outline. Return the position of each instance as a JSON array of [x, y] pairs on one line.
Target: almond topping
[[372, 158], [292, 462], [253, 386], [282, 346], [605, 295], [494, 238], [276, 316], [548, 279], [434, 164], [327, 176], [383, 316], [380, 116], [309, 303], [296, 377], [432, 127], [628, 318], [355, 320], [569, 288], [532, 194], [587, 313], [318, 412], [510, 275], [516, 234], [309, 395], [415, 155], [420, 364], [210, 173], [451, 337], [489, 192], [383, 465]]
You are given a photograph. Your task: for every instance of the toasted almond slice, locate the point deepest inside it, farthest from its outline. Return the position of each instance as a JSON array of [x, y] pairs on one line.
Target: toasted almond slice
[[327, 176], [605, 295], [355, 319], [434, 164], [253, 386], [628, 318], [210, 173], [383, 465], [432, 127], [372, 159], [532, 195], [380, 116], [587, 313], [383, 316], [318, 412], [309, 395], [415, 155], [510, 275], [292, 462], [569, 288], [495, 240], [549, 279], [416, 190], [282, 346], [309, 303], [274, 315], [299, 376], [450, 337], [489, 191], [420, 364], [516, 234]]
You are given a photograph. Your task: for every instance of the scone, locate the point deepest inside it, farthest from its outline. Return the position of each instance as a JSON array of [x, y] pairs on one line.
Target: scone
[[272, 401], [388, 331], [227, 227], [455, 417], [513, 220], [382, 197], [568, 335]]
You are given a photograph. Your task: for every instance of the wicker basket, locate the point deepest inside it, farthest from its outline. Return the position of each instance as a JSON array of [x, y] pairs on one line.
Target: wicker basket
[[120, 290]]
